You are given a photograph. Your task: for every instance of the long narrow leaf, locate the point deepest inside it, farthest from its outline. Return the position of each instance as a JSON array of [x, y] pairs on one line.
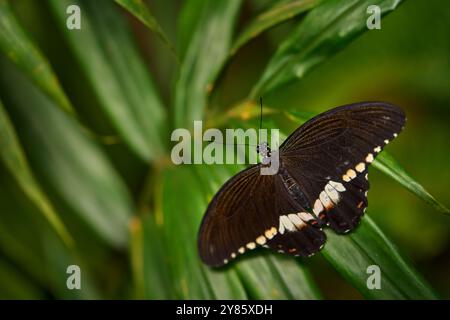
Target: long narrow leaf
[[13, 157], [389, 166], [57, 260], [148, 259], [276, 278], [179, 221], [111, 62], [75, 168], [29, 243], [188, 20], [20, 49], [367, 246], [140, 10], [18, 238], [274, 15], [207, 49], [326, 30]]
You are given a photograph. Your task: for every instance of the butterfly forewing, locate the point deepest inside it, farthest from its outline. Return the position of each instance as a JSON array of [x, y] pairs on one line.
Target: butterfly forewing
[[329, 155]]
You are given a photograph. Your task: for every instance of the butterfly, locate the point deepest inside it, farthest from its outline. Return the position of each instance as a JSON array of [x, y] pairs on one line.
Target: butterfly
[[321, 181]]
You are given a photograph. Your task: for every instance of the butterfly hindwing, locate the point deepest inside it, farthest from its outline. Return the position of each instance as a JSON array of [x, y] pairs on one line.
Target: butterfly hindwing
[[345, 214], [303, 241]]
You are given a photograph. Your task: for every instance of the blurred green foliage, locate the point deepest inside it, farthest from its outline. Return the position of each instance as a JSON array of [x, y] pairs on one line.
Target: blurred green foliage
[[86, 116]]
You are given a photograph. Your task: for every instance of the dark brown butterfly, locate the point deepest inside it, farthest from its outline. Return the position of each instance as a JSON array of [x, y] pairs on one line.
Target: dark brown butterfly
[[322, 180]]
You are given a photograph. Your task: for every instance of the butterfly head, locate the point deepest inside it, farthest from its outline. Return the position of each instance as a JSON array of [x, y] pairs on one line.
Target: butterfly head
[[264, 150]]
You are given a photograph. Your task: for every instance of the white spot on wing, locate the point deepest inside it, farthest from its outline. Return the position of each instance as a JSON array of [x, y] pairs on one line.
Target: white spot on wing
[[325, 200], [332, 193], [251, 245], [270, 233], [337, 185], [295, 219], [351, 174], [346, 178], [318, 207], [306, 216], [360, 167], [369, 158], [285, 224], [261, 240]]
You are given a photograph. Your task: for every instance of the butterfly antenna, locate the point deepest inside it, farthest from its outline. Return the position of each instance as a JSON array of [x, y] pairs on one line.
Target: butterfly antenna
[[260, 113], [260, 117]]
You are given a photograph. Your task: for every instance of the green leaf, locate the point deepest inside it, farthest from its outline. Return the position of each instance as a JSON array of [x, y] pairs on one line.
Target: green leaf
[[74, 167], [388, 165], [57, 260], [109, 57], [296, 277], [276, 277], [189, 17], [33, 248], [207, 50], [13, 157], [18, 236], [148, 260], [352, 254], [274, 15], [326, 30], [20, 49], [140, 10]]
